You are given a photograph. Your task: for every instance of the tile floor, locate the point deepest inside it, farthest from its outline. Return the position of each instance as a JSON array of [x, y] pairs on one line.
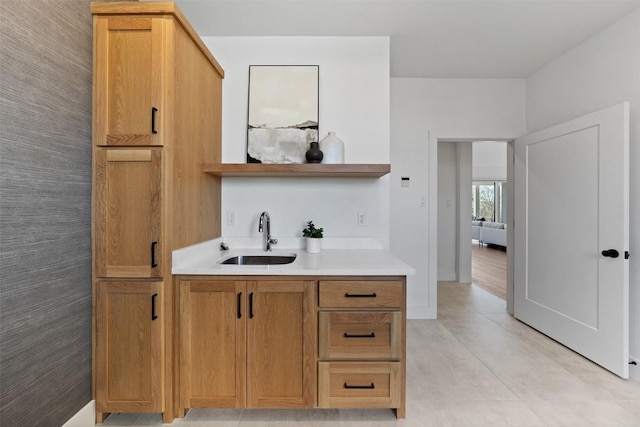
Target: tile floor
[[474, 366]]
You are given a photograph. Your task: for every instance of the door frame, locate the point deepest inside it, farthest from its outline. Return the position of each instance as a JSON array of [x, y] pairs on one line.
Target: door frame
[[511, 193]]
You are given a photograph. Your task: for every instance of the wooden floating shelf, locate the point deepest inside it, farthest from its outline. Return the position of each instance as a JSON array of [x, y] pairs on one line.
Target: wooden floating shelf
[[304, 170]]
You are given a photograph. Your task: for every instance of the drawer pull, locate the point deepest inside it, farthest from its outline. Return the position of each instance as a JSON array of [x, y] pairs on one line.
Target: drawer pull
[[251, 305], [371, 335], [153, 307], [153, 119], [368, 387], [154, 264], [348, 295]]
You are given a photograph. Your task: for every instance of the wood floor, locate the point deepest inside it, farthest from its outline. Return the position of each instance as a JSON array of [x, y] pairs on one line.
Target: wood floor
[[489, 269]]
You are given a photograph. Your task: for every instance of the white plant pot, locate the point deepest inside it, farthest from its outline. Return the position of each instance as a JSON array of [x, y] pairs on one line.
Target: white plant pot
[[313, 245]]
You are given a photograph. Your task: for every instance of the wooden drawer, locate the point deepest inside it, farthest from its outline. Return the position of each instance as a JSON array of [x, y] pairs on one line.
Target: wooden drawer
[[359, 385], [361, 294], [360, 334]]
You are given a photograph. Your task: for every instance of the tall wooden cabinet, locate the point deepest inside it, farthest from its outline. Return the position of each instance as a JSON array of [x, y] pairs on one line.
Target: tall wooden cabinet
[[156, 120]]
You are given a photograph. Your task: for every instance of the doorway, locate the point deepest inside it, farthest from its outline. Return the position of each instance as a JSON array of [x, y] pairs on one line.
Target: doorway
[[460, 164]]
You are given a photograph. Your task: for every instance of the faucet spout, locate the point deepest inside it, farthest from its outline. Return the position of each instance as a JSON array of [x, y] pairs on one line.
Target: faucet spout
[[264, 226]]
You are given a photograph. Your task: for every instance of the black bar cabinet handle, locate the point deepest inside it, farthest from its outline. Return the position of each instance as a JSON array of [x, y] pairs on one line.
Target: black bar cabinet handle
[[370, 387], [239, 305], [371, 335], [153, 306], [348, 295], [251, 305], [153, 120], [153, 254]]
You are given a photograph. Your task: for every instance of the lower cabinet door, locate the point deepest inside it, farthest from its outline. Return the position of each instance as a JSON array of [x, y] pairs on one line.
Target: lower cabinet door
[[359, 384], [129, 347], [281, 344], [212, 344]]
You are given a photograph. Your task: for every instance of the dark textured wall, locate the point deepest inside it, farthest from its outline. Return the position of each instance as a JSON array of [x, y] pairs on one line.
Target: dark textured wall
[[45, 210]]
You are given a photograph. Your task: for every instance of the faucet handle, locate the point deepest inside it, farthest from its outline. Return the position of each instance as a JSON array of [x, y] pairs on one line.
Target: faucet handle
[[273, 241]]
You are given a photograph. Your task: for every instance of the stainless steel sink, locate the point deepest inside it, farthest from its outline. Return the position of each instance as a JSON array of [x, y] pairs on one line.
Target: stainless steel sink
[[259, 259]]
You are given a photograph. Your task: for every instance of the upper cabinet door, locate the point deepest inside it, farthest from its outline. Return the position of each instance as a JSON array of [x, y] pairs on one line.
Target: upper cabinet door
[[128, 66], [127, 204]]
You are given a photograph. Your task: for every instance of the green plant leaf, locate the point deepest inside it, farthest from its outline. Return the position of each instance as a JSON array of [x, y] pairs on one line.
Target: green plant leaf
[[311, 231]]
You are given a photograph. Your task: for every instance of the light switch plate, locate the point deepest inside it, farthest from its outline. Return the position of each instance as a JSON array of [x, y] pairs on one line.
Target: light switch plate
[[362, 219]]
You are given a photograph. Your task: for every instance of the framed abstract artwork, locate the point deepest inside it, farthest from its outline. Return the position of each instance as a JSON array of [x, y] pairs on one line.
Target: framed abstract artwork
[[283, 112]]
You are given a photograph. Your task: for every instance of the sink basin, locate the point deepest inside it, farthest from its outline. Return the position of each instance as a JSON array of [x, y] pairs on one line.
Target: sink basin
[[259, 259]]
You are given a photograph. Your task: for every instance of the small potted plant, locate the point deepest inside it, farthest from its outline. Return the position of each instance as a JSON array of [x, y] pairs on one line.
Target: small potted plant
[[312, 237]]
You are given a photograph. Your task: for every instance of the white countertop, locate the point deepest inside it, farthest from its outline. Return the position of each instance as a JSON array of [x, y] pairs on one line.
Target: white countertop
[[203, 259]]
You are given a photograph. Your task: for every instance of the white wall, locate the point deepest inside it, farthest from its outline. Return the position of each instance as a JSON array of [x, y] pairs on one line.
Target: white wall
[[489, 161], [413, 157], [447, 211], [472, 108], [454, 211], [601, 72], [423, 111], [354, 102]]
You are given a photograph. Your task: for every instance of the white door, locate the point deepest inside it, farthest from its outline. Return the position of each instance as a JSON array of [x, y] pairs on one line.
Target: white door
[[571, 219]]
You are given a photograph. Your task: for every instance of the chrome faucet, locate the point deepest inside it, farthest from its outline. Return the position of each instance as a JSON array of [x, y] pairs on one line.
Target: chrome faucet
[[265, 227]]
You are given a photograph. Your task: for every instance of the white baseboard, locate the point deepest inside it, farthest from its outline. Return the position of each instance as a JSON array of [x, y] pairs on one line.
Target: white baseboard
[[415, 311], [85, 417], [446, 276]]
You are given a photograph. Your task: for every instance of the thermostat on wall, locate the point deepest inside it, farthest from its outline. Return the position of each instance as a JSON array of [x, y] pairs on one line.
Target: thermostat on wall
[[404, 181]]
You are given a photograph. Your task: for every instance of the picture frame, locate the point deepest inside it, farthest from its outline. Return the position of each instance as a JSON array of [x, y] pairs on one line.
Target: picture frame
[[282, 112]]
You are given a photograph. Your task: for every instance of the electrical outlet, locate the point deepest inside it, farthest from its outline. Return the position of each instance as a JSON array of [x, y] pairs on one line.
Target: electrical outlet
[[362, 219], [232, 218]]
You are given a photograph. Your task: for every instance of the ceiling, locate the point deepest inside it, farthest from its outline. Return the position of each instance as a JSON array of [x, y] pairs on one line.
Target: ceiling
[[445, 38]]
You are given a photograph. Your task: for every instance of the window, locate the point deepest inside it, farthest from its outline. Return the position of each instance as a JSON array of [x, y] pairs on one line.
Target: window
[[488, 201]]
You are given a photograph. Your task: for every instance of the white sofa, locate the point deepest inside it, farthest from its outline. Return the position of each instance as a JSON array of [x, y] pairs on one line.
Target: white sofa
[[475, 229], [494, 233]]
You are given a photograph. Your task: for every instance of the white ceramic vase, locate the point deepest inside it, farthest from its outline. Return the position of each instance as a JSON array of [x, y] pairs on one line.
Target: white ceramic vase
[[313, 245], [333, 149]]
